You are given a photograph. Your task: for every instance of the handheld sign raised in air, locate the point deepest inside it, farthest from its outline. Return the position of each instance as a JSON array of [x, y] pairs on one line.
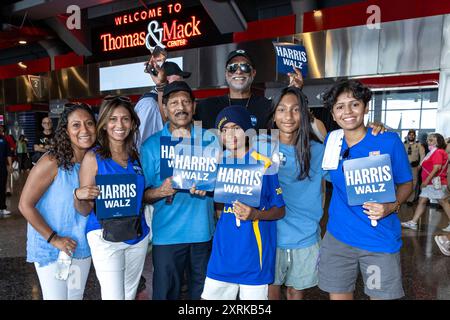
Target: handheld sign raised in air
[[290, 55]]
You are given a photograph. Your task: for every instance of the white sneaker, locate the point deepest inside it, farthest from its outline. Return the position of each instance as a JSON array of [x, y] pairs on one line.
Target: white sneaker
[[410, 224], [446, 229], [443, 244], [5, 212]]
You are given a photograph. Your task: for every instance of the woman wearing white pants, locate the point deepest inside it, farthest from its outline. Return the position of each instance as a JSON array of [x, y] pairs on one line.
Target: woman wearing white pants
[[118, 243], [46, 202]]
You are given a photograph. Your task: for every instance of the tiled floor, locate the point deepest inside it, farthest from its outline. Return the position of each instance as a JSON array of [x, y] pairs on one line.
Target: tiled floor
[[426, 272]]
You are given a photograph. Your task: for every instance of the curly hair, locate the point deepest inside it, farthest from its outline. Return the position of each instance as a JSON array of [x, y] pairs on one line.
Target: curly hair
[[107, 108], [357, 88], [62, 150]]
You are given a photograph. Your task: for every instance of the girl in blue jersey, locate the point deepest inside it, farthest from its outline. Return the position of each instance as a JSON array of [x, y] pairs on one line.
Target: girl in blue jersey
[[118, 245], [243, 254], [366, 237], [47, 203], [300, 175]]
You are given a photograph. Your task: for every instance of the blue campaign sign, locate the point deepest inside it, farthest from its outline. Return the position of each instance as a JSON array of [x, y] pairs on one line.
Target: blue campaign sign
[[290, 55], [167, 145], [369, 179], [240, 182], [195, 165], [118, 196]]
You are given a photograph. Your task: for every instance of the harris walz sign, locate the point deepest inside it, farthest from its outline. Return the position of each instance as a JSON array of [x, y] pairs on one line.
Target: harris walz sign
[[168, 25]]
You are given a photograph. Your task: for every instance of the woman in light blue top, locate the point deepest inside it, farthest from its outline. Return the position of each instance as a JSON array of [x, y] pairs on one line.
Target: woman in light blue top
[[54, 226]]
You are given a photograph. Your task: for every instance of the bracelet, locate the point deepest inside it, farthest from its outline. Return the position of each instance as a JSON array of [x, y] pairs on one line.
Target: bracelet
[[51, 236], [75, 194]]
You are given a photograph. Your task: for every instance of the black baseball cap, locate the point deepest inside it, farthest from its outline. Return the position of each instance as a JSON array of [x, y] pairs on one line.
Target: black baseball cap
[[172, 68], [239, 53], [177, 86]]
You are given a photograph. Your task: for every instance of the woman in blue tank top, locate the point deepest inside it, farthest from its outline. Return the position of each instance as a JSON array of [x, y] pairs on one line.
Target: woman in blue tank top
[[118, 243], [54, 226]]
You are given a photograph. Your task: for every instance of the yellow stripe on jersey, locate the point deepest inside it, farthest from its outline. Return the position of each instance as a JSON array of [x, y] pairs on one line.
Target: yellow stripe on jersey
[[258, 240], [259, 157]]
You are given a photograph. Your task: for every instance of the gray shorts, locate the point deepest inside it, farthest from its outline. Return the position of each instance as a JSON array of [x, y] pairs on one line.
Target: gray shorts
[[338, 270], [297, 268]]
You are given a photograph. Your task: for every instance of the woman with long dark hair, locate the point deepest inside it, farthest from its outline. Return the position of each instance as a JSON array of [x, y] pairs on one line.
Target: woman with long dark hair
[[300, 175], [118, 244], [54, 226]]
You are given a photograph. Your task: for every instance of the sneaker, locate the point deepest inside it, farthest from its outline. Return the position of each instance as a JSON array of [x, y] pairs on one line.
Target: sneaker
[[443, 244], [5, 212], [410, 224], [446, 229]]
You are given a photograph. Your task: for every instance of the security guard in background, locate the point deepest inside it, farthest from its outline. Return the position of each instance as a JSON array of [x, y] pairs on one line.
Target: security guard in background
[[416, 153]]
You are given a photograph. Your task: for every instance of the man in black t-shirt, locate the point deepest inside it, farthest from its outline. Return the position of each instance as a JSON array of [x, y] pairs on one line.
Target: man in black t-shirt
[[44, 140], [239, 74]]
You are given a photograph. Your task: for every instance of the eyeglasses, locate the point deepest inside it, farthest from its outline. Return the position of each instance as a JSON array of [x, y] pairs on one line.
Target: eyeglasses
[[121, 98], [233, 67]]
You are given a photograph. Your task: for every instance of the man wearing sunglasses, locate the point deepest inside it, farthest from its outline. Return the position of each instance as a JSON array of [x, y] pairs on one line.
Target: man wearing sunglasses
[[416, 152], [239, 74]]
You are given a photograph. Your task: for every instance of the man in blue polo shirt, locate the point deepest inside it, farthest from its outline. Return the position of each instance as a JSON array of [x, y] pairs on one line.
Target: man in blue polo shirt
[[183, 223], [366, 237]]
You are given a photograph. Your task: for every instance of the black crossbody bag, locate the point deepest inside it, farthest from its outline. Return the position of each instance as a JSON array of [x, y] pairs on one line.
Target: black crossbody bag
[[122, 229]]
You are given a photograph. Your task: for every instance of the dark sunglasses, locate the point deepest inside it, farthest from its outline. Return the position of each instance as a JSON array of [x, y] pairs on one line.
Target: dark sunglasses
[[233, 67], [120, 98], [409, 150]]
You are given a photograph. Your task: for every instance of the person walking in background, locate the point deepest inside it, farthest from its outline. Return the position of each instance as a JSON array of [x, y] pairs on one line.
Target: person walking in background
[[54, 225], [22, 153], [434, 180], [5, 170], [416, 153], [118, 245]]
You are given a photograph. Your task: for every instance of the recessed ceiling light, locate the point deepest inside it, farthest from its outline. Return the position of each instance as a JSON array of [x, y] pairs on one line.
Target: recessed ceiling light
[[22, 42]]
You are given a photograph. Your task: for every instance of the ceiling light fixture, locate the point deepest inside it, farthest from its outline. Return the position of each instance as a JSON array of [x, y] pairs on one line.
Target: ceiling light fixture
[[22, 65], [22, 42]]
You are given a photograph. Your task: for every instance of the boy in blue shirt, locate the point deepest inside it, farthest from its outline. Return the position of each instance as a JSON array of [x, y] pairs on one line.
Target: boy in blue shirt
[[244, 245], [353, 240]]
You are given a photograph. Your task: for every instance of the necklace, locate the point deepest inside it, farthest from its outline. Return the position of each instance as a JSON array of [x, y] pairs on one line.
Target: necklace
[[246, 105]]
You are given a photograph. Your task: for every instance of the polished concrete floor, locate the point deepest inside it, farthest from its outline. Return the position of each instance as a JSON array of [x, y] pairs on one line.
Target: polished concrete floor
[[426, 272]]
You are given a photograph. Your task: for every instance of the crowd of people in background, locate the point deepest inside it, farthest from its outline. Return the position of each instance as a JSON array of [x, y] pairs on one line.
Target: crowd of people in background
[[230, 250]]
